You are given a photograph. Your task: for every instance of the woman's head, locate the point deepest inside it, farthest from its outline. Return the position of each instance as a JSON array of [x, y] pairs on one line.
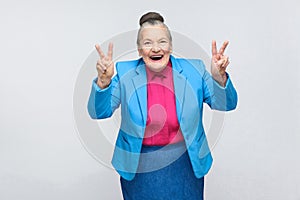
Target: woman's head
[[154, 41]]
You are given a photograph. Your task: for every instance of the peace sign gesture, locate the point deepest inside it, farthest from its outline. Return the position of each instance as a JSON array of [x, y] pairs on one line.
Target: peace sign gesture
[[219, 63], [105, 66]]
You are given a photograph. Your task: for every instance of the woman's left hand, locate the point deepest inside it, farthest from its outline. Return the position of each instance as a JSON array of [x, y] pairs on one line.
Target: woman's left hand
[[219, 63]]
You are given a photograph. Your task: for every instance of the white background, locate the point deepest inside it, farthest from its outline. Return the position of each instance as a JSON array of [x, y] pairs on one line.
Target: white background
[[43, 45]]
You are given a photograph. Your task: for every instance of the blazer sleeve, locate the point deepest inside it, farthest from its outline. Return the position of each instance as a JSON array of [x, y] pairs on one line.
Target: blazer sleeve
[[219, 97], [103, 102]]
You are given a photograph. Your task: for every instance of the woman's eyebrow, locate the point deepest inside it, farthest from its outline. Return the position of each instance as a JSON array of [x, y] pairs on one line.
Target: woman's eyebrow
[[146, 39], [162, 38]]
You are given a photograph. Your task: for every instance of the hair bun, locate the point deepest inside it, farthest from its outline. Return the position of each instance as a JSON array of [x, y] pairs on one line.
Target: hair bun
[[151, 17]]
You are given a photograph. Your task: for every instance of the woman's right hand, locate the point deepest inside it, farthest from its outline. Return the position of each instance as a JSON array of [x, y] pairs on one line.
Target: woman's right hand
[[105, 66]]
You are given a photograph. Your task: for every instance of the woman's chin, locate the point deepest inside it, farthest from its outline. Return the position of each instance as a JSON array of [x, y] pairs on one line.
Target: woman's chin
[[156, 66]]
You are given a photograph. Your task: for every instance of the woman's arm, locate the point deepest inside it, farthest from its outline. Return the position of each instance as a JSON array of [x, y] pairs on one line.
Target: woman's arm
[[219, 91], [104, 97]]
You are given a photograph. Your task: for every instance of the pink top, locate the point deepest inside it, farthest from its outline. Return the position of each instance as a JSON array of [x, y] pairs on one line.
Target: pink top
[[162, 125]]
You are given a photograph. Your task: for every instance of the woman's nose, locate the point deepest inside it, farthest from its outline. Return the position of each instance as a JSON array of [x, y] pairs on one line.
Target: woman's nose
[[156, 47]]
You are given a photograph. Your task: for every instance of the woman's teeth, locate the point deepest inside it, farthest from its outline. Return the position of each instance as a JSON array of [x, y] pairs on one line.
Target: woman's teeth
[[156, 57]]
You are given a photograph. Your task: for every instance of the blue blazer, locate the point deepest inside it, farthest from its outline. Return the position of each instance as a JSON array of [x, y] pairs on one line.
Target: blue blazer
[[193, 86]]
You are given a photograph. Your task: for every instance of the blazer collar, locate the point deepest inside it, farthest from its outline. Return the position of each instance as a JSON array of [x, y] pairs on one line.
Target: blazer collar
[[175, 65]]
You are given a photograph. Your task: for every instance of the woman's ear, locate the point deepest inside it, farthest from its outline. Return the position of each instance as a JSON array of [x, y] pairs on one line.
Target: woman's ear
[[140, 51]]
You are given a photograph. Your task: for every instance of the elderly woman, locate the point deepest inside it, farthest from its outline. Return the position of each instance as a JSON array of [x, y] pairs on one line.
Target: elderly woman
[[161, 151]]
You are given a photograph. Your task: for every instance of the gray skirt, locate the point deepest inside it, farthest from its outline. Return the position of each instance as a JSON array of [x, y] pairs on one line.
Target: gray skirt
[[164, 173]]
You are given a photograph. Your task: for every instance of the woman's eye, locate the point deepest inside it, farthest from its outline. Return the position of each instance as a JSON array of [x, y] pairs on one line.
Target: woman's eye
[[147, 43]]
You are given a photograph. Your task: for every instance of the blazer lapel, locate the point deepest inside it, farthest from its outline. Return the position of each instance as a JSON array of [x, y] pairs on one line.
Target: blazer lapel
[[140, 85], [180, 81]]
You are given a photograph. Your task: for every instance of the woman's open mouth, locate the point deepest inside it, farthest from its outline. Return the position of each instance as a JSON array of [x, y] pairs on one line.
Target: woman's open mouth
[[156, 57]]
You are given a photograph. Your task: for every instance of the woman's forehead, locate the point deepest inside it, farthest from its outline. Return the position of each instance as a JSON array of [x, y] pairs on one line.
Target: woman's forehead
[[154, 31]]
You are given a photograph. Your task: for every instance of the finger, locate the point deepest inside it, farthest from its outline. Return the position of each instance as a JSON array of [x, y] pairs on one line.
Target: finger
[[214, 60], [101, 69], [222, 49], [214, 47], [225, 64], [110, 51], [101, 66], [100, 52], [220, 63], [106, 63], [101, 63], [225, 61]]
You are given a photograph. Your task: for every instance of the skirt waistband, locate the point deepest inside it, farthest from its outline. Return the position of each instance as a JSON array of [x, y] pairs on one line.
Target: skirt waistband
[[175, 146], [153, 158]]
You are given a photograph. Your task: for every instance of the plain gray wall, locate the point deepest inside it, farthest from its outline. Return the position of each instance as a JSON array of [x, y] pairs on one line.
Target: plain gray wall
[[44, 44]]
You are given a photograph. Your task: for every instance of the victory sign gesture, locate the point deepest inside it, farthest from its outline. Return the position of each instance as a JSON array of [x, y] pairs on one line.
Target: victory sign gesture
[[105, 66], [219, 63]]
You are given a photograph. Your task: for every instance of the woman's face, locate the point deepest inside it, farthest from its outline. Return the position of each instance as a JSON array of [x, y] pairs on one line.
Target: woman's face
[[155, 47]]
